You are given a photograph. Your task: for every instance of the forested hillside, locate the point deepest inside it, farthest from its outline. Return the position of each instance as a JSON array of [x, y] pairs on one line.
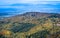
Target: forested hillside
[[31, 25]]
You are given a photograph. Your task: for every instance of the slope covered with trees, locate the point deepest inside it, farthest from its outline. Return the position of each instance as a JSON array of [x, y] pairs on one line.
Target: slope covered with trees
[[31, 25]]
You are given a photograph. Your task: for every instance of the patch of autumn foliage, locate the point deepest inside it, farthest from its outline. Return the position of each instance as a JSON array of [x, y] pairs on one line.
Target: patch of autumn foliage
[[48, 24], [5, 33]]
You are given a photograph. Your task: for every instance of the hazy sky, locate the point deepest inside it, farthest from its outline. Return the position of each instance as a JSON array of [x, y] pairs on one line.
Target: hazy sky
[[32, 5], [6, 2]]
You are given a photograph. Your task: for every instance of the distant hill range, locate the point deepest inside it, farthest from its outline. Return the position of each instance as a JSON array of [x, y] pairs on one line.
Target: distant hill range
[[32, 15], [29, 16]]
